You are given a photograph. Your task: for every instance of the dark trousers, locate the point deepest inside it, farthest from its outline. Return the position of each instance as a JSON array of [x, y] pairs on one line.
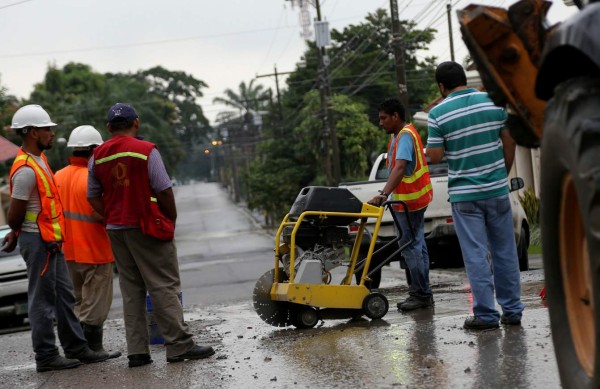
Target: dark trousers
[[50, 298]]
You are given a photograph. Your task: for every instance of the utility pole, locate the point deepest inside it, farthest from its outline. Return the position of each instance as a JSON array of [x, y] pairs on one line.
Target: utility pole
[[399, 58], [330, 142], [333, 168], [449, 12], [276, 74]]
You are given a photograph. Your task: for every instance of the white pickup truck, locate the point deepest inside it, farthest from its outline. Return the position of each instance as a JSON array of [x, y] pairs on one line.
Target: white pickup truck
[[442, 242]]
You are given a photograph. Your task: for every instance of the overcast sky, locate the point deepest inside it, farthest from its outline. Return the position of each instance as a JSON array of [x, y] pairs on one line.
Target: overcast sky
[[221, 42]]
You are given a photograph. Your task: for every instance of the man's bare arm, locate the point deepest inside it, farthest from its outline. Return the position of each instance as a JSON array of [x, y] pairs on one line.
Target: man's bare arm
[[166, 202], [97, 203], [16, 217], [16, 213], [435, 154], [508, 148], [393, 181]]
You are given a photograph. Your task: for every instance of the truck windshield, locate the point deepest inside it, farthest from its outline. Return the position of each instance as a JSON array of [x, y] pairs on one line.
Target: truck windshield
[[439, 169]]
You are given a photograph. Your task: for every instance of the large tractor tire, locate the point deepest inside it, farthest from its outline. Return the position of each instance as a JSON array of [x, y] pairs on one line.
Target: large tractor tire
[[570, 215]]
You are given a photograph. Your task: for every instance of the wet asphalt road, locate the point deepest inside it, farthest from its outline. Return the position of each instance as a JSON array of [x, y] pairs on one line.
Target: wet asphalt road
[[222, 254]]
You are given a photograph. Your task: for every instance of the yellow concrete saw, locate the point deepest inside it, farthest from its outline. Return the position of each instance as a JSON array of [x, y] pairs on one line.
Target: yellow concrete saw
[[313, 239]]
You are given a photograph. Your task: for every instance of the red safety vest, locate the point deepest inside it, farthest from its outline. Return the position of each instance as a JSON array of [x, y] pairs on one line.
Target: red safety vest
[[50, 220], [87, 240], [415, 190], [121, 166]]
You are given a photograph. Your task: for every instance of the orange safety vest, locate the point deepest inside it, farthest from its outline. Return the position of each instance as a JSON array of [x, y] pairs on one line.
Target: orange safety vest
[[415, 190], [87, 240], [50, 220]]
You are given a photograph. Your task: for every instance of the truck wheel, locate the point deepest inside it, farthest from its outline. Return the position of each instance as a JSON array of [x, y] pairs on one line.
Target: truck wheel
[[571, 228], [522, 250]]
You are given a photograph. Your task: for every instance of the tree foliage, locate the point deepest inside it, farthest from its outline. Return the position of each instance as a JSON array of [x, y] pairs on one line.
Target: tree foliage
[[249, 99], [361, 73], [8, 104], [164, 100], [286, 165], [362, 65]]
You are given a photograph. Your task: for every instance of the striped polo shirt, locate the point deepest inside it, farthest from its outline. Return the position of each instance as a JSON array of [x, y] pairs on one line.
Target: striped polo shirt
[[467, 125]]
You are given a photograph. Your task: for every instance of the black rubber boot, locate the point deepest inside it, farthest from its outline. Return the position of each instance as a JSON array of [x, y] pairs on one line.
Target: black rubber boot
[[56, 363], [94, 335], [87, 355]]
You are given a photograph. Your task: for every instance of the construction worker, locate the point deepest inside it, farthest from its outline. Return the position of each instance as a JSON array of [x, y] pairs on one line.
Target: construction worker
[[408, 181], [35, 216], [87, 247], [129, 185]]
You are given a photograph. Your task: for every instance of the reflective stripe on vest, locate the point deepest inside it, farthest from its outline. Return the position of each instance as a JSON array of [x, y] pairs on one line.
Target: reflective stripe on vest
[[80, 217], [30, 216], [49, 200], [120, 155], [416, 189]]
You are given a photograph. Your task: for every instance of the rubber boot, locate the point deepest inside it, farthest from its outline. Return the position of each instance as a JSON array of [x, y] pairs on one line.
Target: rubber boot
[[94, 335]]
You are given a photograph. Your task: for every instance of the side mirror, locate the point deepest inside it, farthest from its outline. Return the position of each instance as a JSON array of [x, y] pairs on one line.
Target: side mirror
[[516, 184]]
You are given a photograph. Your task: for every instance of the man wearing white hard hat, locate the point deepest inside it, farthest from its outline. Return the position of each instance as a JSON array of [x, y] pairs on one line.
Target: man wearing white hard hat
[[86, 247], [35, 215]]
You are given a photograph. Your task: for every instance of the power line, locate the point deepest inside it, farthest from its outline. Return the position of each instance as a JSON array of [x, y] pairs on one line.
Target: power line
[[13, 4], [148, 43]]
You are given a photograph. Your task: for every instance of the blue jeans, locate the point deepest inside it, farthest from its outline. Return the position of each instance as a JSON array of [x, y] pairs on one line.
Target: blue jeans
[[487, 224], [49, 297], [415, 254]]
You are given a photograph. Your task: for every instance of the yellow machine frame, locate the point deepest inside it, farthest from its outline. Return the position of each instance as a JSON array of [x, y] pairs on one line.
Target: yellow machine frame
[[344, 295]]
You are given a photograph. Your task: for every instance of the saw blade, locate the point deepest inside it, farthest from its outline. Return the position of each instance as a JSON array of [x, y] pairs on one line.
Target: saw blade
[[275, 313]]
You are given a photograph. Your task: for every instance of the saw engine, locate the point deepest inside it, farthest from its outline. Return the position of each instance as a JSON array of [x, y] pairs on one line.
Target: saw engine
[[318, 250], [319, 241]]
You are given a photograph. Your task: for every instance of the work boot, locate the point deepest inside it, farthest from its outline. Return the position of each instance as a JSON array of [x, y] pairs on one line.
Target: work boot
[[87, 355], [414, 302], [197, 352], [510, 320], [475, 323], [57, 362], [94, 334], [136, 360]]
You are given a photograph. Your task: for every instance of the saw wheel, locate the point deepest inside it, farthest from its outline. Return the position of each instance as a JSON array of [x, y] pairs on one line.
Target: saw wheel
[[275, 313]]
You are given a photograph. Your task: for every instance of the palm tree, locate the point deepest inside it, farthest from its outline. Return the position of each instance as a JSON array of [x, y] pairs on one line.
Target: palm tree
[[249, 99]]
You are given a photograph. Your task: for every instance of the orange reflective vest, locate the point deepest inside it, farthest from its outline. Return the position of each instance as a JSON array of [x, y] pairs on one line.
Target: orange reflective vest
[[415, 190], [87, 240], [50, 220]]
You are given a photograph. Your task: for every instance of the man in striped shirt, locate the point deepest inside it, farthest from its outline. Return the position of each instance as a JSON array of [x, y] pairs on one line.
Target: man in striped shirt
[[469, 130]]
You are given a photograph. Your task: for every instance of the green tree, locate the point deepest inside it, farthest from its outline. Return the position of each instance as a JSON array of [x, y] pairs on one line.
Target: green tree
[[8, 104], [242, 130], [284, 166], [247, 99], [164, 100], [362, 74], [362, 65], [183, 90]]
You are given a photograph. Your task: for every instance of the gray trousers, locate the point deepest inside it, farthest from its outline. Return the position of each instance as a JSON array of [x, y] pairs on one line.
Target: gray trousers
[[149, 264], [50, 297]]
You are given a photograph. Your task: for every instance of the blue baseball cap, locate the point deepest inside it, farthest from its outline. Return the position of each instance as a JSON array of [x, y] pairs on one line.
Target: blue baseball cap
[[121, 112]]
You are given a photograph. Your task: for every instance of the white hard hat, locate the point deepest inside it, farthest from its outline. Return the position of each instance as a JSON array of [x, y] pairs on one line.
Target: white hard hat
[[83, 136], [31, 116]]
